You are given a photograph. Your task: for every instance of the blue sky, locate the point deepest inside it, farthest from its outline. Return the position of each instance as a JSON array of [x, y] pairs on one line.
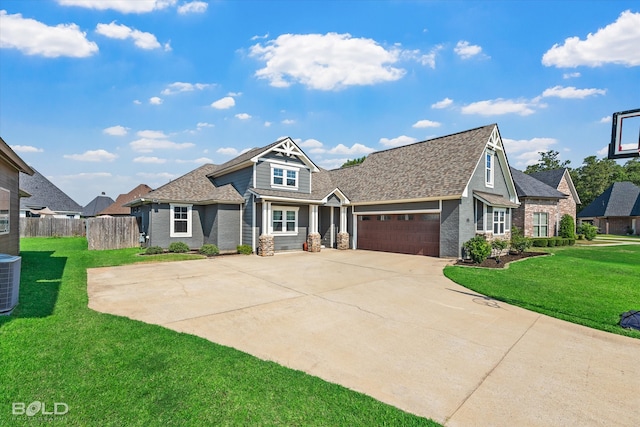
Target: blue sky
[[102, 95]]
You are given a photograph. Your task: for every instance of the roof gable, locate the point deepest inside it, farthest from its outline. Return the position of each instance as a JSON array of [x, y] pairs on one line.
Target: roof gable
[[528, 186], [620, 199], [45, 194], [96, 205], [118, 208], [554, 177]]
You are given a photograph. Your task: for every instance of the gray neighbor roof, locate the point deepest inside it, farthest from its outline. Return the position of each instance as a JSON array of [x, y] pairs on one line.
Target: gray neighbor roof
[[531, 186], [45, 194], [551, 177], [620, 199], [98, 204]]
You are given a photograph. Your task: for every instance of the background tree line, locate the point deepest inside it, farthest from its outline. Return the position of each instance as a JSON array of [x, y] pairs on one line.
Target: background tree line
[[593, 176]]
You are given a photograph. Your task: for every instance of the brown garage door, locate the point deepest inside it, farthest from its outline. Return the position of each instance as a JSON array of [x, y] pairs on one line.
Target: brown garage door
[[417, 234]]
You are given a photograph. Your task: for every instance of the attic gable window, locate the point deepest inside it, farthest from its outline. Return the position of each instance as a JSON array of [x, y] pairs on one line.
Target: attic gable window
[[489, 168], [180, 221], [284, 177]]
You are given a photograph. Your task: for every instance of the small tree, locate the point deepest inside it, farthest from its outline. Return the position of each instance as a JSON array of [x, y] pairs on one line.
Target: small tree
[[567, 227], [498, 245], [589, 230], [477, 248]]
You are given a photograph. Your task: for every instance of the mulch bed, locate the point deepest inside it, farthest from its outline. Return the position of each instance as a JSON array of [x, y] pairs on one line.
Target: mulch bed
[[504, 260]]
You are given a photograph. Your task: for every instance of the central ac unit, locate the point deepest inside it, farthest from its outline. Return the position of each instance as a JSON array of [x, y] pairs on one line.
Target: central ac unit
[[9, 282]]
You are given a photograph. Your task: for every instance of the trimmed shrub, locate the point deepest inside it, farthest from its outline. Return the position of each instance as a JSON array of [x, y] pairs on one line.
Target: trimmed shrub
[[244, 249], [519, 243], [154, 250], [572, 242], [178, 247], [209, 250], [567, 227], [497, 246], [580, 237], [540, 242], [590, 231], [477, 248], [551, 242]]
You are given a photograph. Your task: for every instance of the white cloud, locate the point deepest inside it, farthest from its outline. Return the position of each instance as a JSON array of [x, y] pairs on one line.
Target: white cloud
[[332, 163], [571, 92], [465, 50], [397, 142], [243, 116], [32, 37], [123, 6], [501, 106], [524, 152], [617, 43], [93, 156], [179, 87], [115, 130], [288, 121], [199, 161], [442, 104], [87, 175], [154, 100], [267, 124], [141, 39], [166, 176], [427, 59], [155, 160], [234, 94], [147, 145], [152, 134], [193, 7], [137, 102], [309, 143], [605, 119], [230, 151], [604, 151], [571, 75], [224, 103], [356, 148], [426, 124], [266, 36], [26, 149], [325, 62], [202, 125]]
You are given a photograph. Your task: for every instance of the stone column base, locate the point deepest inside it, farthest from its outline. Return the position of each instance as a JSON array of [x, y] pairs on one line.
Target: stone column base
[[343, 241], [314, 242], [266, 245]]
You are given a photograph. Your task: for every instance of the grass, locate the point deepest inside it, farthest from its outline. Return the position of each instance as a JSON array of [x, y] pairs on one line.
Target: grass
[[113, 371], [587, 285]]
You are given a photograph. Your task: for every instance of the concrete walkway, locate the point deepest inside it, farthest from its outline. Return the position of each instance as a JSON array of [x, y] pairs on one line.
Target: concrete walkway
[[393, 327]]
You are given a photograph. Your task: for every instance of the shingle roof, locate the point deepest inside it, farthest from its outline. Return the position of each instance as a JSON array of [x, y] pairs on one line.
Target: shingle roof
[[551, 177], [439, 167], [96, 205], [495, 199], [117, 208], [245, 156], [528, 186], [620, 199], [196, 187], [45, 194]]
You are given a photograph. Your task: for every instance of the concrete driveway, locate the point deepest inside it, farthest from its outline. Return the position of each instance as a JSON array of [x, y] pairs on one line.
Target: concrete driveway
[[393, 327]]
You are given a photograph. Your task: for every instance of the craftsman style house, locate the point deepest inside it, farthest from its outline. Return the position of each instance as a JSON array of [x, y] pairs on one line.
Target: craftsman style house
[[426, 198]]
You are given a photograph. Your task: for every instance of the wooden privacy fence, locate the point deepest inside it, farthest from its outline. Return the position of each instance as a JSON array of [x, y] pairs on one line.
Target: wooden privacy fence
[[101, 233], [47, 226], [112, 233]]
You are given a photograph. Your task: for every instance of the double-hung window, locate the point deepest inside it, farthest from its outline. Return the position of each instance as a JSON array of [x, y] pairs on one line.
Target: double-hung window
[[284, 220], [284, 177], [489, 168], [499, 220], [180, 221], [5, 201], [540, 224]]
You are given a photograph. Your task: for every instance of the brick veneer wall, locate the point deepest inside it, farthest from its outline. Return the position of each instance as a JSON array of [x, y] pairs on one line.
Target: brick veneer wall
[[568, 205], [523, 216]]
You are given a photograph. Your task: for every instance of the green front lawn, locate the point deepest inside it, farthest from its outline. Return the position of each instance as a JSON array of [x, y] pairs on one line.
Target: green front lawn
[[587, 285], [113, 371]]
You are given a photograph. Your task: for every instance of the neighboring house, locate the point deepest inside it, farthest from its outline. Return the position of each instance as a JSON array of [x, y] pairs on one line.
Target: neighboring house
[[616, 211], [11, 166], [46, 198], [117, 208], [95, 206], [426, 198], [543, 205]]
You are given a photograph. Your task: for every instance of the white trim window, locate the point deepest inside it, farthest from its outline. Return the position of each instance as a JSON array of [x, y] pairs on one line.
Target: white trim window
[[284, 177], [540, 224], [5, 216], [499, 221], [181, 220], [489, 168], [284, 220]]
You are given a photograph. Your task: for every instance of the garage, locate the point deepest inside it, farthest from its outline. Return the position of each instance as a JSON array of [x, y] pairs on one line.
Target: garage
[[416, 234]]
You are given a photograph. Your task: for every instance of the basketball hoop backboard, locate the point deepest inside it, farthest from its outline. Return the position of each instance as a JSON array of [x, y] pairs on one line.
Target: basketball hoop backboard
[[625, 135]]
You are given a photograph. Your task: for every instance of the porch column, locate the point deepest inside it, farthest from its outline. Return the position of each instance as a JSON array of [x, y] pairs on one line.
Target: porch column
[[313, 239], [343, 235], [266, 243]]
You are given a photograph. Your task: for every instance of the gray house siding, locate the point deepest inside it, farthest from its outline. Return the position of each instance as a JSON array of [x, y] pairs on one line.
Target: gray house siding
[[9, 179], [285, 243], [391, 207], [241, 180], [227, 227], [449, 228], [209, 224], [263, 176], [160, 227]]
